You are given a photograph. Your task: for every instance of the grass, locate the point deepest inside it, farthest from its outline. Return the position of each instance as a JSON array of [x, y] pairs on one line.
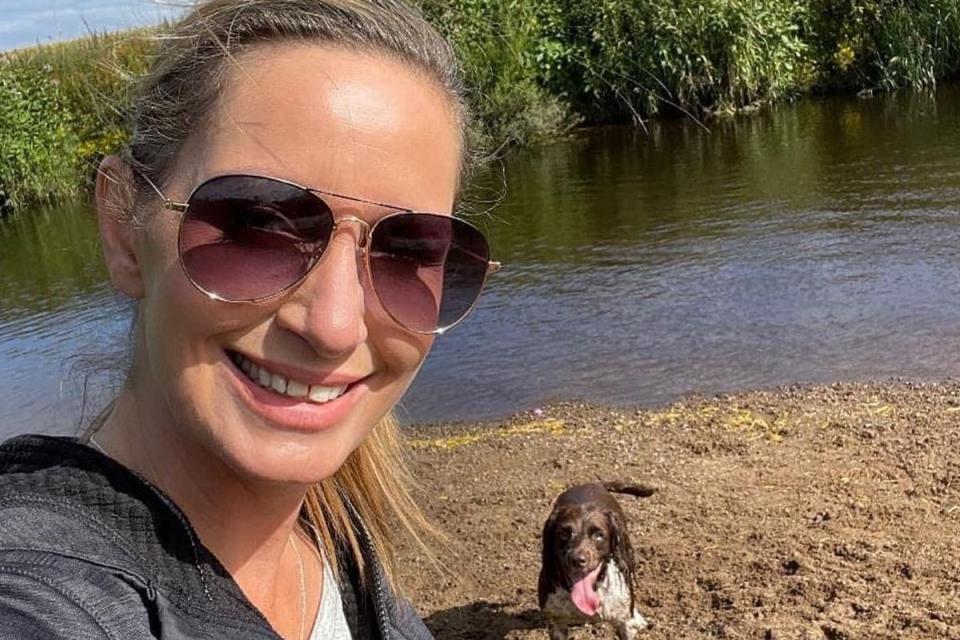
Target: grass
[[535, 67], [63, 106]]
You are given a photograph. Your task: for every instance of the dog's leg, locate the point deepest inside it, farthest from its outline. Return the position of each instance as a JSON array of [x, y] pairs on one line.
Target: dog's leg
[[630, 629], [558, 632]]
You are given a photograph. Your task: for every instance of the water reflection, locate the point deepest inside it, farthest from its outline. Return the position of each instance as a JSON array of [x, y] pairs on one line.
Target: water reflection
[[811, 242], [61, 326]]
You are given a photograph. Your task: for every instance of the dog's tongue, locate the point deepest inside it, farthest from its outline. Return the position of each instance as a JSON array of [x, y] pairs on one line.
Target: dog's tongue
[[583, 593]]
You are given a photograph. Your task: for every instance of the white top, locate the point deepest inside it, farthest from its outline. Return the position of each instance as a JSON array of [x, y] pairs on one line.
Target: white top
[[331, 623]]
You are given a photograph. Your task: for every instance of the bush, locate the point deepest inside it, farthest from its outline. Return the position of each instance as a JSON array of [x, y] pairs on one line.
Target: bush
[[499, 44], [38, 141], [62, 107], [884, 44], [636, 58], [535, 68]]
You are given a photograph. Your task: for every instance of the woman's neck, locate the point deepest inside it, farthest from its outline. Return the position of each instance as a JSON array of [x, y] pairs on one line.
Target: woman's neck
[[248, 525]]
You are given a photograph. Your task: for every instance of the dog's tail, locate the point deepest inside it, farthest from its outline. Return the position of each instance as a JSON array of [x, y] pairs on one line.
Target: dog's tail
[[638, 490]]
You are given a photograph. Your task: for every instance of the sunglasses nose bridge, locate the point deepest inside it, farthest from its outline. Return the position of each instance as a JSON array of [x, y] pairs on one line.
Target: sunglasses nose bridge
[[364, 229]]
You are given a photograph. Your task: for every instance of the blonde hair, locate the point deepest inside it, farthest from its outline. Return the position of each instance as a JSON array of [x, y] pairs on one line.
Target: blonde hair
[[374, 483], [178, 96], [192, 65]]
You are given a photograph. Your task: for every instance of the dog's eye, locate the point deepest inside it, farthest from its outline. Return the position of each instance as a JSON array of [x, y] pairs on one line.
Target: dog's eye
[[565, 534], [598, 535]]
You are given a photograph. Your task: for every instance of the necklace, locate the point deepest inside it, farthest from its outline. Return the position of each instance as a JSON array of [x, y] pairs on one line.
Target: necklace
[[291, 540], [303, 585], [96, 445]]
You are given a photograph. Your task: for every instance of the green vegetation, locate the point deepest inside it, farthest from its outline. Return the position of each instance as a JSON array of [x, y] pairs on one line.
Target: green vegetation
[[539, 65], [63, 106], [535, 67]]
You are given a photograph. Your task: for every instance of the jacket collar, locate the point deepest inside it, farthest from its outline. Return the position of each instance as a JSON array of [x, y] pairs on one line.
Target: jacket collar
[[121, 521]]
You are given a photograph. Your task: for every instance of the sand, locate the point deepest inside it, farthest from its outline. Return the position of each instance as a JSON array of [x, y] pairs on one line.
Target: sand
[[802, 512]]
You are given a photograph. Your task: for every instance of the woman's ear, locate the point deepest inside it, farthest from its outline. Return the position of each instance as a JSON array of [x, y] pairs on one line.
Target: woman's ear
[[115, 193]]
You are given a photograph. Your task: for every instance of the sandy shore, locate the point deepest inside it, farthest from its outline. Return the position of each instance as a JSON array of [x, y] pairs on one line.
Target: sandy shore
[[804, 512]]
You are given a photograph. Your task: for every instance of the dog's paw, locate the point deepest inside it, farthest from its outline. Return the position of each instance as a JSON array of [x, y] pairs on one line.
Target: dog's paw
[[630, 630]]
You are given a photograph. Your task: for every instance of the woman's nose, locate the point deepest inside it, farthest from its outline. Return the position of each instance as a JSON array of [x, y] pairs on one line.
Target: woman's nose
[[327, 309]]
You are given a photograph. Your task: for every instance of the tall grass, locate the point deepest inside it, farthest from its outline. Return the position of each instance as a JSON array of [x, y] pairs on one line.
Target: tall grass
[[883, 44], [535, 68], [37, 140], [63, 106]]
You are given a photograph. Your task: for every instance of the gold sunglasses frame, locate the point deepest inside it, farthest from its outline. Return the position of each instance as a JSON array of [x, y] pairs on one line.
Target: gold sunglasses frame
[[363, 243]]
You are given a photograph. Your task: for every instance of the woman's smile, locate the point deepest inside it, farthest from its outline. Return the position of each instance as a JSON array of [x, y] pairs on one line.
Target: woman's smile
[[271, 339], [295, 398]]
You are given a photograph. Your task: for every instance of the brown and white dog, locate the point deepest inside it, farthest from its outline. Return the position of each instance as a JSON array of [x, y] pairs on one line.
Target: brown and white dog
[[587, 570]]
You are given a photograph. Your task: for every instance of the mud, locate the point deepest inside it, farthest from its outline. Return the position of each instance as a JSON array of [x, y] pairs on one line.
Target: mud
[[829, 512]]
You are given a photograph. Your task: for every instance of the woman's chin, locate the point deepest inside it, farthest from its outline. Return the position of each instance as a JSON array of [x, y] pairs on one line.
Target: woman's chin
[[276, 457], [288, 468]]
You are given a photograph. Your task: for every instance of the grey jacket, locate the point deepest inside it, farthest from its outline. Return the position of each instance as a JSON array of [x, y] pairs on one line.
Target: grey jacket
[[91, 551]]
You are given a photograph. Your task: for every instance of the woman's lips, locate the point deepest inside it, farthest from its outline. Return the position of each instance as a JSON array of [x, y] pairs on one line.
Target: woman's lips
[[299, 414], [270, 377]]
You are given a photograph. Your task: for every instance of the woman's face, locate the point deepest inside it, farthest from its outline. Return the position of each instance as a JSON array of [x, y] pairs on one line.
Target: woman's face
[[353, 123]]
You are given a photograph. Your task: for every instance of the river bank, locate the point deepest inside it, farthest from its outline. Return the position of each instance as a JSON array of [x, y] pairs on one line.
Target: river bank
[[535, 69], [802, 512]]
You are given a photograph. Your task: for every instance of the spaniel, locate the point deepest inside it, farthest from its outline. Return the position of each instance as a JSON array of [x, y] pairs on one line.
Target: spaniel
[[587, 570]]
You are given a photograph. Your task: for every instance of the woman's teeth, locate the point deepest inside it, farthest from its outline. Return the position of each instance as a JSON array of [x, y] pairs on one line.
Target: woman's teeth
[[292, 388]]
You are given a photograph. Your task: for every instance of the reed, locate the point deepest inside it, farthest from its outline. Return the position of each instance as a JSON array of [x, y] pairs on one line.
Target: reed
[[62, 106], [535, 67]]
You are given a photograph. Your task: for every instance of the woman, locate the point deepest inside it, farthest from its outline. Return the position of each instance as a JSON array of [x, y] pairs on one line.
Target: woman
[[247, 479]]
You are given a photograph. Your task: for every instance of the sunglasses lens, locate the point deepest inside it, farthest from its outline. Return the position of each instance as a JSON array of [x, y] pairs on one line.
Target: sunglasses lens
[[246, 237], [427, 269]]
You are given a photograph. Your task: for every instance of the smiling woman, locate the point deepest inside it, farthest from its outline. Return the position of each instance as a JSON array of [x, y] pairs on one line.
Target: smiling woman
[[283, 218]]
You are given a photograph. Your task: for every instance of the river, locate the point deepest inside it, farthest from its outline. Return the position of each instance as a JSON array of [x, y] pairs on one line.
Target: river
[[809, 242]]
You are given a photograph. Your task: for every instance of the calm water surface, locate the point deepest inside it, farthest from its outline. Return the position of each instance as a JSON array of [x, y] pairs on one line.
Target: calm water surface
[[814, 242]]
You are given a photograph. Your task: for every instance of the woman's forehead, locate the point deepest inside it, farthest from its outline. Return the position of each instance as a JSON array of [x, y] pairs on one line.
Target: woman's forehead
[[341, 120]]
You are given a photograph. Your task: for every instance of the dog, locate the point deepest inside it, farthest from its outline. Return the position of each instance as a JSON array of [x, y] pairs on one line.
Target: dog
[[587, 566]]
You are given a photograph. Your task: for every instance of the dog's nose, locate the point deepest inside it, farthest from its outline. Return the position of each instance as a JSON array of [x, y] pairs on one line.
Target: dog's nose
[[580, 560]]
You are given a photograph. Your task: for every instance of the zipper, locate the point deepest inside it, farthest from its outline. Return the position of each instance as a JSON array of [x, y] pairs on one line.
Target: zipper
[[372, 569]]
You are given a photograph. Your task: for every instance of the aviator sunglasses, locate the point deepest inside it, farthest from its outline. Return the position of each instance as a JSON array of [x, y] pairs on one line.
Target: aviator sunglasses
[[248, 238]]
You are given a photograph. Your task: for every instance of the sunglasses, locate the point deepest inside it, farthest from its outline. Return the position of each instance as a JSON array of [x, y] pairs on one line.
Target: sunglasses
[[248, 238]]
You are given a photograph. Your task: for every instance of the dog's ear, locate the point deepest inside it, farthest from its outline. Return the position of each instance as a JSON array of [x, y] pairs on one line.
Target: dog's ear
[[550, 573], [549, 553], [621, 549]]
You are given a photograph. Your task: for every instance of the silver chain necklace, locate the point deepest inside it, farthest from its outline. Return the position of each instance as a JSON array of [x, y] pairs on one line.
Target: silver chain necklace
[[303, 586], [96, 445], [296, 549]]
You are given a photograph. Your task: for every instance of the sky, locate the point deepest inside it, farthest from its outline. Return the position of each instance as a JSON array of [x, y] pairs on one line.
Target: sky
[[28, 22]]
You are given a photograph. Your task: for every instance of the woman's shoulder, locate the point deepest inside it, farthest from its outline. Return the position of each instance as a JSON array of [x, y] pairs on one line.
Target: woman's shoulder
[[61, 563], [56, 493], [46, 595], [64, 483], [45, 485], [77, 522]]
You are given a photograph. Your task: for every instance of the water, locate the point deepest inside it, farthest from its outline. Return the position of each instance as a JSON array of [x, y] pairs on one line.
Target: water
[[43, 21], [813, 242]]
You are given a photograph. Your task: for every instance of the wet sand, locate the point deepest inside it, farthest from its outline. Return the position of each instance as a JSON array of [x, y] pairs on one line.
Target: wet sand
[[823, 512]]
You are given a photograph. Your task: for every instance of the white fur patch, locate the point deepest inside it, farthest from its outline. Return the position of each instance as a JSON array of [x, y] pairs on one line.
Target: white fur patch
[[561, 613]]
